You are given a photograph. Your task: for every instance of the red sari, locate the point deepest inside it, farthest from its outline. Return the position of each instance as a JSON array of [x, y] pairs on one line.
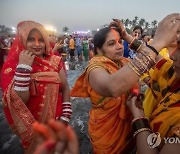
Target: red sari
[[45, 98]]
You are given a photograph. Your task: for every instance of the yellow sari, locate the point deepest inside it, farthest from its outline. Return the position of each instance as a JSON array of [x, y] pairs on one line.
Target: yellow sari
[[109, 123], [164, 110]]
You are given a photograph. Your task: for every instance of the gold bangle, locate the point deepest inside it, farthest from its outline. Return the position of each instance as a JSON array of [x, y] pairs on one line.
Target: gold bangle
[[138, 119], [141, 130], [132, 42], [139, 47], [134, 69]]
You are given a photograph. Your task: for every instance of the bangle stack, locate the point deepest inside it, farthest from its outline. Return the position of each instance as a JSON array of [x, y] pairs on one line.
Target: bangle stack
[[135, 44], [67, 111], [139, 125], [141, 63], [22, 77]]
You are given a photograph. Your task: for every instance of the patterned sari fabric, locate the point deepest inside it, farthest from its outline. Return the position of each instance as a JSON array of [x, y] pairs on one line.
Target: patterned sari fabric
[[164, 111], [45, 98], [109, 123]]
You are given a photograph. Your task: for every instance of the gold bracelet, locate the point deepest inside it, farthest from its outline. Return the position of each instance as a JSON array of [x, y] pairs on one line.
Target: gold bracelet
[[141, 64], [138, 119], [141, 130], [132, 42], [139, 47], [134, 69]]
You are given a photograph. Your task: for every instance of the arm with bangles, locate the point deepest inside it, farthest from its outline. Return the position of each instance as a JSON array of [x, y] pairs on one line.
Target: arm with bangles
[[141, 134], [128, 75], [22, 75], [67, 108]]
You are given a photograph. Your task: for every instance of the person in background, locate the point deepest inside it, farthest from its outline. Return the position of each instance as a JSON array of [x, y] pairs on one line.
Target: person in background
[[79, 48], [91, 48], [85, 49], [136, 33], [145, 38], [3, 53], [34, 84], [72, 48]]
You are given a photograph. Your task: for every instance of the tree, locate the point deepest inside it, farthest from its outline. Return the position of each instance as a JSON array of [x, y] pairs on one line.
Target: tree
[[126, 23], [65, 29], [154, 23], [142, 22], [147, 24], [5, 30]]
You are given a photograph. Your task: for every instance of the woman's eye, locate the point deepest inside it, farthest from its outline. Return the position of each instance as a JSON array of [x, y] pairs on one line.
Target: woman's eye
[[30, 39], [41, 40], [111, 43]]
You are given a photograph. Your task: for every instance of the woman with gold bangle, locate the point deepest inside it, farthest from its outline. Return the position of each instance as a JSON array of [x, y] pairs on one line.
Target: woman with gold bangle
[[109, 77]]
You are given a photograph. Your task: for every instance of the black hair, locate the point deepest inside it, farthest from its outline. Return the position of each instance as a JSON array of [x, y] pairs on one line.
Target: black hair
[[145, 34], [153, 33], [138, 27], [100, 38]]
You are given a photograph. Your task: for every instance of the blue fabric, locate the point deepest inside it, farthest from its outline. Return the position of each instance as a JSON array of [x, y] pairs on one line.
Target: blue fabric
[[128, 53]]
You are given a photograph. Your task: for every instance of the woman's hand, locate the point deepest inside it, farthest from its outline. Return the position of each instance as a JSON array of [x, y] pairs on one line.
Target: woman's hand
[[118, 24], [134, 103], [58, 45], [26, 57], [55, 137], [166, 31]]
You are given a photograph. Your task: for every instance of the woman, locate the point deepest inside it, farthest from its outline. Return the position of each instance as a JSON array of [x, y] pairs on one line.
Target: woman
[[105, 112], [150, 96], [164, 112], [107, 80], [34, 83], [85, 49], [137, 32]]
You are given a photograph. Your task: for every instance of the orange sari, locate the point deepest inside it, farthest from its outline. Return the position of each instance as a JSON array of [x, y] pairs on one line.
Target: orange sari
[[109, 123], [45, 98]]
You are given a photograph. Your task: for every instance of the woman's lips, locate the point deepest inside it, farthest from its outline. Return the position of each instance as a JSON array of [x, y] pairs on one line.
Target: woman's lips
[[37, 49]]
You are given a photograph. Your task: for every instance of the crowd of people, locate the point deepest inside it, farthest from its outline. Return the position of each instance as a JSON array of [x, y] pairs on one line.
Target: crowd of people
[[36, 95]]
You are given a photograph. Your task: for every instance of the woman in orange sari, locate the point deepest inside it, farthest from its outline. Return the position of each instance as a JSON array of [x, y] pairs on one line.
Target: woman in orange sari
[[108, 78], [34, 83], [109, 124]]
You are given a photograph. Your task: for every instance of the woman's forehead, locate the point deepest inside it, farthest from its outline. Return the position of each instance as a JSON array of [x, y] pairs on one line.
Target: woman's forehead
[[35, 32], [113, 34]]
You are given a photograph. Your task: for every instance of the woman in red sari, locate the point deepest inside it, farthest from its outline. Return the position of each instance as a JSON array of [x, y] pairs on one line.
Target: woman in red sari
[[34, 83]]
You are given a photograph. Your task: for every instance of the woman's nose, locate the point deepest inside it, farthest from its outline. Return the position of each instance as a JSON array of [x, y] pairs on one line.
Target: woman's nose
[[37, 42], [120, 45]]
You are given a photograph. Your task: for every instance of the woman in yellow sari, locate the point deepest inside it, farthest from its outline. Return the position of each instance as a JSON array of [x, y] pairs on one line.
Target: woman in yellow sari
[[107, 81], [161, 106], [150, 97]]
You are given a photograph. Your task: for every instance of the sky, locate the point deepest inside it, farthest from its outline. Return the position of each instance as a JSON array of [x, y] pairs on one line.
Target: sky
[[83, 14]]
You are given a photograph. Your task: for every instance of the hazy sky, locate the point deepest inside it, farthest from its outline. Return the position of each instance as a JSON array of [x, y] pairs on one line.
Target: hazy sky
[[83, 14]]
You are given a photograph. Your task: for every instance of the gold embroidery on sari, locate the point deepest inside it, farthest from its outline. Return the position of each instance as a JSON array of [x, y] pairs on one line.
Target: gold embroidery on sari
[[8, 70], [22, 117]]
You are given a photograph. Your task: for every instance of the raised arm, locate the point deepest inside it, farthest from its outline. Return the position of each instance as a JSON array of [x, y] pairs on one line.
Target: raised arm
[[121, 81]]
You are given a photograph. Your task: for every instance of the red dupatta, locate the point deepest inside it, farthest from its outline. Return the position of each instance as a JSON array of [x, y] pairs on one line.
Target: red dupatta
[[45, 100]]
